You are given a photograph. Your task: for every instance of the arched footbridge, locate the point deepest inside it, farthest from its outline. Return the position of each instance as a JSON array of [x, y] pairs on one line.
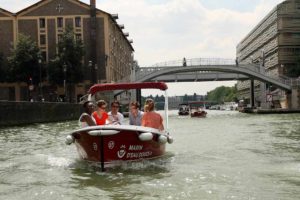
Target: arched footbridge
[[207, 69]]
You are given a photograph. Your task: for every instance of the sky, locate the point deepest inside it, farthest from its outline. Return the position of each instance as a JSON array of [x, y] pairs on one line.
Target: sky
[[166, 30]]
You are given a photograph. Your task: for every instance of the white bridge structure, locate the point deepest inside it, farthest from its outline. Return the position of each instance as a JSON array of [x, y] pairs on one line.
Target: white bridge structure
[[216, 69], [207, 69]]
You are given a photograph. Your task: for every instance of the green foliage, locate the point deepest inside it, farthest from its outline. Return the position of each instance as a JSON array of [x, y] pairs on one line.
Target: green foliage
[[222, 94], [70, 53], [55, 70], [24, 61]]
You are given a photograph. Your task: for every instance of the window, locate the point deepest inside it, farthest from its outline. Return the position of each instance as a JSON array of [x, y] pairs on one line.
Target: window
[[78, 37], [42, 39], [42, 23], [60, 22], [77, 21]]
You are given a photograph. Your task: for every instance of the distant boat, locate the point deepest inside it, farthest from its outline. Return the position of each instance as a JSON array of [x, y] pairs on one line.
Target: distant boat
[[196, 110], [198, 113], [184, 109]]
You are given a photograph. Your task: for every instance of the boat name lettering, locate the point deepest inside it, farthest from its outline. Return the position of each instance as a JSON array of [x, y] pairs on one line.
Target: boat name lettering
[[135, 147], [139, 155]]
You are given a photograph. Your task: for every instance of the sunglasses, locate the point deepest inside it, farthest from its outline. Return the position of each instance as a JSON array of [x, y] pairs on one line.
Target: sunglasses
[[115, 106]]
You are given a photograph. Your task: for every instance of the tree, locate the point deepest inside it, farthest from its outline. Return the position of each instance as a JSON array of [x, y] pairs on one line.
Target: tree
[[185, 98], [70, 54], [223, 94], [24, 62]]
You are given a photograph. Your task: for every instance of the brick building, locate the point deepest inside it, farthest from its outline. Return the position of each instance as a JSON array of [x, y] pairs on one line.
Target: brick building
[[277, 37], [108, 51]]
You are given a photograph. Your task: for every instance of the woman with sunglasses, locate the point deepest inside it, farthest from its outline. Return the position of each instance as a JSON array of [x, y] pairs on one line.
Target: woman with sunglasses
[[100, 115], [150, 117], [115, 117]]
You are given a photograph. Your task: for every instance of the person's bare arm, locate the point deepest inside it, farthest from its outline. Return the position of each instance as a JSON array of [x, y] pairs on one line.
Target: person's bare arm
[[88, 119]]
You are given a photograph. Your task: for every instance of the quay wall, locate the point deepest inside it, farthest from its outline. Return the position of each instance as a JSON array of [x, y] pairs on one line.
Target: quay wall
[[20, 113]]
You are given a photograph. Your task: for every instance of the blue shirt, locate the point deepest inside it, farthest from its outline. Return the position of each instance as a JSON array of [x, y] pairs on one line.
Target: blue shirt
[[137, 121]]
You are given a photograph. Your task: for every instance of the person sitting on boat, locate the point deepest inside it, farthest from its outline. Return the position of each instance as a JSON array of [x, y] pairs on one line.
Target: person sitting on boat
[[135, 115], [86, 118], [150, 117], [115, 117], [100, 115]]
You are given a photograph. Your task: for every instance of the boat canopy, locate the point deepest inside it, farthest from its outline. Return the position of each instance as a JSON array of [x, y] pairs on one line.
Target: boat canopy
[[127, 86]]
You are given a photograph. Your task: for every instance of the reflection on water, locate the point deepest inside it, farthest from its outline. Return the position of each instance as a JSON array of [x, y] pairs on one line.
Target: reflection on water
[[227, 155]]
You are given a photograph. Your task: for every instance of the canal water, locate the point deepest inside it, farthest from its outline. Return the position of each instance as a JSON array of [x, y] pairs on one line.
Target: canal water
[[228, 155]]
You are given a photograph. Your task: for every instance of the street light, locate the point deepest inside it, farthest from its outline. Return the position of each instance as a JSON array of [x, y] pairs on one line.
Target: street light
[[65, 77], [93, 79], [40, 83], [96, 69]]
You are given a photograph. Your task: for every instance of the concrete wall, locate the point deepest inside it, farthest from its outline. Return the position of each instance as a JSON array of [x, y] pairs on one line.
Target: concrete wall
[[18, 113]]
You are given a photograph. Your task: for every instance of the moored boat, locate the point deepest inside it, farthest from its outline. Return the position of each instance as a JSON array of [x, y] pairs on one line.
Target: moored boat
[[111, 144], [184, 109]]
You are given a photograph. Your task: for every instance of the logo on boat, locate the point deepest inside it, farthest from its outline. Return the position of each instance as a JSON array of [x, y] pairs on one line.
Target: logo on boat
[[111, 144], [121, 153], [95, 147]]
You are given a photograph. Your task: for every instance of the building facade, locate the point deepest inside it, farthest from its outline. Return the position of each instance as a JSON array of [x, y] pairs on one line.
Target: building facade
[[108, 51], [276, 41]]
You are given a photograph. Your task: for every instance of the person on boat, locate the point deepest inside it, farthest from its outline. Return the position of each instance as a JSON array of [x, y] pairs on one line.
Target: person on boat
[[86, 118], [114, 116], [135, 115], [101, 115], [150, 117]]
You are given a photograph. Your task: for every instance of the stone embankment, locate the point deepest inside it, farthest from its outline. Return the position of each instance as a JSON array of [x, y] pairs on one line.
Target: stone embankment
[[19, 113]]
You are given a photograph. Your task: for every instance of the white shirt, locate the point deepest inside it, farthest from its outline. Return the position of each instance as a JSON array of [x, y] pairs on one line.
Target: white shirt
[[116, 119], [84, 124]]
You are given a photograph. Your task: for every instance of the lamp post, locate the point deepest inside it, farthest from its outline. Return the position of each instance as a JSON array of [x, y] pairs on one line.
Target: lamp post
[[96, 71], [93, 72], [40, 82], [65, 77]]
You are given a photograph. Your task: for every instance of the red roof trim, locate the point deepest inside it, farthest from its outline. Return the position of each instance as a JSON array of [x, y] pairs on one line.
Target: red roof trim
[[127, 86]]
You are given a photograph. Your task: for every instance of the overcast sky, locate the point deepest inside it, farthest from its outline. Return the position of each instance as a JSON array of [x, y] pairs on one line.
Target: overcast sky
[[164, 30]]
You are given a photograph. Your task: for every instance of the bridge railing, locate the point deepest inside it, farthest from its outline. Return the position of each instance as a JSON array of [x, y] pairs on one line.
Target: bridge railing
[[213, 62], [195, 61]]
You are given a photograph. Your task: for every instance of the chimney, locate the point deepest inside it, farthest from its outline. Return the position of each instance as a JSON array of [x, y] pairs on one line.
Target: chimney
[[93, 3], [93, 47]]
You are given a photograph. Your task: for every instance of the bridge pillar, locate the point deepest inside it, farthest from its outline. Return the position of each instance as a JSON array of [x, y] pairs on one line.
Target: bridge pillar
[[139, 96], [263, 96], [294, 99], [252, 103]]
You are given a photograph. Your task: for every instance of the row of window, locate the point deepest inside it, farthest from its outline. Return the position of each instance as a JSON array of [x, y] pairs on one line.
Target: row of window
[[78, 37], [60, 22]]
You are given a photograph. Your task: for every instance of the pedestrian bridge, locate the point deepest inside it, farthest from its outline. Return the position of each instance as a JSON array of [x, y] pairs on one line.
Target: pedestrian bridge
[[207, 69]]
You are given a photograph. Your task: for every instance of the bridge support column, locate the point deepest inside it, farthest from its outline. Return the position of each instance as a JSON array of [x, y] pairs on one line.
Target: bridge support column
[[294, 99], [139, 96], [252, 103], [263, 95]]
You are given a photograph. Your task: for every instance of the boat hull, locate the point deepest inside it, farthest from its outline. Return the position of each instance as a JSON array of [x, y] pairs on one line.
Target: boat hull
[[124, 144], [199, 114], [183, 113]]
